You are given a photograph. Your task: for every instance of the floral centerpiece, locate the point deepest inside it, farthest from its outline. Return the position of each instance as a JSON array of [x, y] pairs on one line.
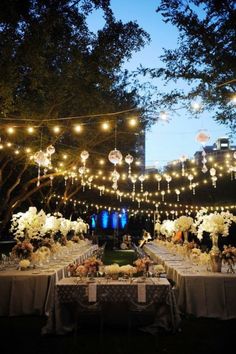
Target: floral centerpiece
[[92, 264], [142, 264], [185, 224], [229, 257], [23, 250], [128, 270], [167, 228], [28, 225], [215, 224]]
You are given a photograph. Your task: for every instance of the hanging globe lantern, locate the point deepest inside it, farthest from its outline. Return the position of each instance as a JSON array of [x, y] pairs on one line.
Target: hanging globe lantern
[[41, 158], [84, 155], [115, 156], [50, 150], [202, 137], [168, 180], [129, 159], [142, 179]]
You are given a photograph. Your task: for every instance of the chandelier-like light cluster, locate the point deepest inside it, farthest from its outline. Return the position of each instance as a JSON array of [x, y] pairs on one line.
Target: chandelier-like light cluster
[[43, 159]]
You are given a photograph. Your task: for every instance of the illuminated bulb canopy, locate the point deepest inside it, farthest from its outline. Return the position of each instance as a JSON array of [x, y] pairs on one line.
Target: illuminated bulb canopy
[[202, 137], [115, 156]]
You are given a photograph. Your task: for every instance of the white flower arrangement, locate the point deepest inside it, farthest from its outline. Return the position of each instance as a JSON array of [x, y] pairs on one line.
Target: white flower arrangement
[[167, 228], [214, 223], [79, 226], [128, 269], [28, 225], [112, 269], [183, 223], [52, 224], [65, 226]]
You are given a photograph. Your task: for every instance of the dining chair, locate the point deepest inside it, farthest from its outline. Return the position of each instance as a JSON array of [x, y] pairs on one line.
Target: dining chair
[[87, 313]]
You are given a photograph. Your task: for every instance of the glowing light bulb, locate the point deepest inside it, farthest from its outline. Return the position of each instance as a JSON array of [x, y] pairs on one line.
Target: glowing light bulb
[[77, 128], [56, 129], [11, 130]]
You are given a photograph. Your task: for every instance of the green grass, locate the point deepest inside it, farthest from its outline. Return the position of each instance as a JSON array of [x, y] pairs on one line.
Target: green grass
[[120, 257]]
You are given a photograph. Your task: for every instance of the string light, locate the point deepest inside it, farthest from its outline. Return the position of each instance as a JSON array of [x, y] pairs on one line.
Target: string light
[[56, 129], [10, 130], [105, 126], [78, 128], [30, 130]]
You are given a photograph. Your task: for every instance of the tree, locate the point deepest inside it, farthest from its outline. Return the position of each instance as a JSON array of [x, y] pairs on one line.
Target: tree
[[53, 66], [205, 57]]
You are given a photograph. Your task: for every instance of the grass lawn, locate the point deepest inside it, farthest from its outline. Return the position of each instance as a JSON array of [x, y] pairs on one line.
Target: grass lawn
[[120, 257]]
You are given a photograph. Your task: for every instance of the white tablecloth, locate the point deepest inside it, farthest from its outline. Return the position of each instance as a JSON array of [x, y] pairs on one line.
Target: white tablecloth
[[200, 293], [31, 292]]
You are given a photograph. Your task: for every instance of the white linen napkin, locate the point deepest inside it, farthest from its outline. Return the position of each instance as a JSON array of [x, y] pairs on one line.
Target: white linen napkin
[[92, 292], [141, 292]]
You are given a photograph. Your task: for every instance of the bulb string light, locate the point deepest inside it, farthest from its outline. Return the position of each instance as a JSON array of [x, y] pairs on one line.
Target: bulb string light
[[131, 195]]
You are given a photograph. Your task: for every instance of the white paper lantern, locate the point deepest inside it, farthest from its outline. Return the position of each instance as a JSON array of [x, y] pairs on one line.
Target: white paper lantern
[[202, 137], [115, 156], [84, 155]]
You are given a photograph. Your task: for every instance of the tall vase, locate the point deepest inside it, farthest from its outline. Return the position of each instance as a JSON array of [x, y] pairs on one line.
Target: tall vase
[[215, 254], [185, 233]]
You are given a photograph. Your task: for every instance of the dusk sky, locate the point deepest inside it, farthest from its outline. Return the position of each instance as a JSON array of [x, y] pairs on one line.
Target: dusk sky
[[165, 141]]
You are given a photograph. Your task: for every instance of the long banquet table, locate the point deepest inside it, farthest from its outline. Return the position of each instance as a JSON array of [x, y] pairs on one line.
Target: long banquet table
[[200, 293], [31, 292], [167, 315]]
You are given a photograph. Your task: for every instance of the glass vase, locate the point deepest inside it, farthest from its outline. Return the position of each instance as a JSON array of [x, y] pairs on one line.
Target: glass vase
[[215, 254], [185, 233]]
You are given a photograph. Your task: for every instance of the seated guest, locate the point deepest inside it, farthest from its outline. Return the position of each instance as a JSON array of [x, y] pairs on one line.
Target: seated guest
[[127, 240], [145, 238]]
